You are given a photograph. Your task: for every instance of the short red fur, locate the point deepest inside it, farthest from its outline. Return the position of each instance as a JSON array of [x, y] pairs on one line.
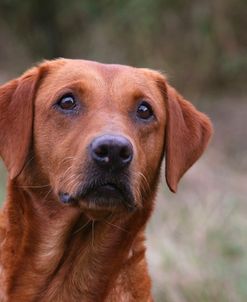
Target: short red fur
[[85, 251]]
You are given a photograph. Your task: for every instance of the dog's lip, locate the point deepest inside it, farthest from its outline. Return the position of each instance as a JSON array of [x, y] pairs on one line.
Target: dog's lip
[[108, 186], [109, 192], [101, 193], [108, 189]]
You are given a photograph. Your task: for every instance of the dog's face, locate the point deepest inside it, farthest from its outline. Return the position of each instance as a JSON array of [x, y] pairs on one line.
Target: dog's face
[[97, 133]]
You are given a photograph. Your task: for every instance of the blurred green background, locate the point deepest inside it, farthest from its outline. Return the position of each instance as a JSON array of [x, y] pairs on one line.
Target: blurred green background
[[197, 239]]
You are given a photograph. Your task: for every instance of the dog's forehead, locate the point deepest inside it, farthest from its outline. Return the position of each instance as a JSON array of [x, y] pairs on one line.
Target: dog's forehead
[[107, 75]]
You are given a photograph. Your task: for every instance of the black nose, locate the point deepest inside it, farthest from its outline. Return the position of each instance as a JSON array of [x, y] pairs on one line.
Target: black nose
[[111, 151]]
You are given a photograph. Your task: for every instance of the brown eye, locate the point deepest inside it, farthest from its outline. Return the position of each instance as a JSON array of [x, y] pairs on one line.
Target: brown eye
[[144, 111], [67, 102]]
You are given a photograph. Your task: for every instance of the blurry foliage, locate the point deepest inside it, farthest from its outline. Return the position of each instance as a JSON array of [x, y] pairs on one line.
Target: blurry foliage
[[203, 43]]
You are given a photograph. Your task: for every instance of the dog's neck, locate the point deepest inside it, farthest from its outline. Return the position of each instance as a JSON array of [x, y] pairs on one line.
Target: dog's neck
[[55, 253]]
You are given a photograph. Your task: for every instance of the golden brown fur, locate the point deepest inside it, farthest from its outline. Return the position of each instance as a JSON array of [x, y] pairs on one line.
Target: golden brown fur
[[85, 251]]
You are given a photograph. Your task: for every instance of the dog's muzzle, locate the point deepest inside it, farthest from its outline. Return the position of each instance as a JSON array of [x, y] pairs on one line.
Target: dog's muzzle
[[107, 181]]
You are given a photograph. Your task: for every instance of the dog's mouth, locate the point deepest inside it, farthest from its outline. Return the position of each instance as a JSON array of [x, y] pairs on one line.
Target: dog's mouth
[[103, 191], [109, 190], [107, 195]]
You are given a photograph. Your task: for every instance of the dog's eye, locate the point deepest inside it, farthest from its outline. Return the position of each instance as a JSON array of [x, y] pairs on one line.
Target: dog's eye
[[144, 111], [67, 102]]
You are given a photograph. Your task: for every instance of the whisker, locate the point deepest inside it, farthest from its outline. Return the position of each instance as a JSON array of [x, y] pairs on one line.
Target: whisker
[[28, 162], [67, 159], [75, 185], [92, 243], [49, 191], [144, 179], [82, 227], [66, 172], [116, 226], [72, 182], [44, 186]]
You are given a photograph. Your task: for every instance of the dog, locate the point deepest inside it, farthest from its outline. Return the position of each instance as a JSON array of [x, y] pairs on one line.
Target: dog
[[83, 144]]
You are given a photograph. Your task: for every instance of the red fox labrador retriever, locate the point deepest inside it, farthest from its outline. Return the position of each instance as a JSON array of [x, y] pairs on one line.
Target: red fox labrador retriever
[[83, 144]]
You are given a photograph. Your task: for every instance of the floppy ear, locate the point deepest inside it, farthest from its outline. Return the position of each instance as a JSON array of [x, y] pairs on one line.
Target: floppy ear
[[187, 134], [16, 118]]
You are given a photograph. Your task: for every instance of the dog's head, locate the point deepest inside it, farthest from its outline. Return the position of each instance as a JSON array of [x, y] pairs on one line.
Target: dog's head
[[96, 134]]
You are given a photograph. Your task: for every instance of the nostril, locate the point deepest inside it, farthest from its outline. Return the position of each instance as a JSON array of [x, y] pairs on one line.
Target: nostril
[[125, 153], [101, 151]]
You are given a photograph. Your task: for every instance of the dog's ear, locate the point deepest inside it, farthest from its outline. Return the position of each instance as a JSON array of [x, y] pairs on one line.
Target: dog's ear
[[16, 118], [187, 134]]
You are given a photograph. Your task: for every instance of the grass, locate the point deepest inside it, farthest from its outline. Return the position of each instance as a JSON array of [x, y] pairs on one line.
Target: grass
[[197, 242], [2, 182]]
